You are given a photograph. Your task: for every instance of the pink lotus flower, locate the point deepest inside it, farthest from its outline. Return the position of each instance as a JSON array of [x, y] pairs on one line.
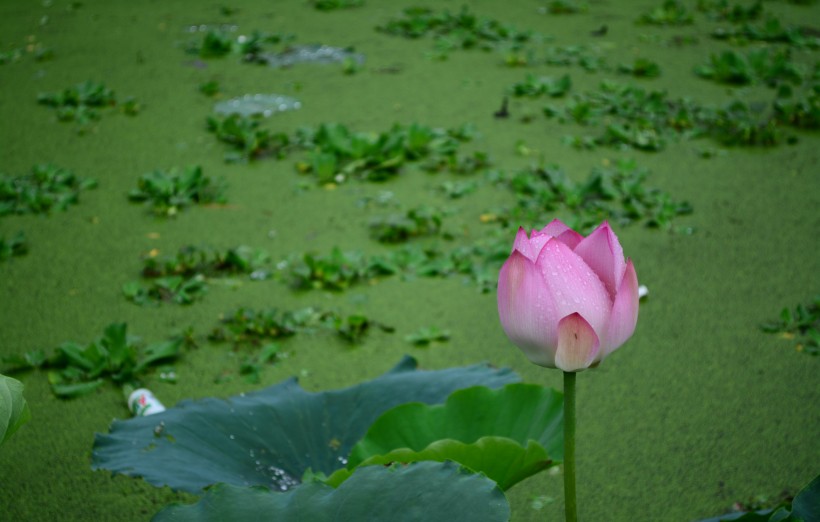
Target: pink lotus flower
[[567, 300]]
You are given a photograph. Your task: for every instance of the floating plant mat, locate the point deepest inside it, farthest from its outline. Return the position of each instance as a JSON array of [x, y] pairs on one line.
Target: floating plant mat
[[257, 104], [294, 54], [272, 436]]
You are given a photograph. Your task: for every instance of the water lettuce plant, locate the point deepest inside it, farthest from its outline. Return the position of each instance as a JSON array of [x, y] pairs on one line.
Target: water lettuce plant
[[770, 66], [332, 5], [734, 13], [535, 86], [14, 246], [82, 103], [182, 278], [75, 369], [671, 12], [47, 187], [168, 192], [419, 221], [641, 68], [801, 324], [770, 30], [615, 193], [463, 30]]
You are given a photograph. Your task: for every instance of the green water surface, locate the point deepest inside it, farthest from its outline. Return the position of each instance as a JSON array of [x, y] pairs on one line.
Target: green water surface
[[698, 410]]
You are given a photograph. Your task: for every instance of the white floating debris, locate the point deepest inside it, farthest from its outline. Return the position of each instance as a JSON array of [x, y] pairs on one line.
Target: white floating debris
[[257, 104], [311, 53], [643, 291], [142, 402]]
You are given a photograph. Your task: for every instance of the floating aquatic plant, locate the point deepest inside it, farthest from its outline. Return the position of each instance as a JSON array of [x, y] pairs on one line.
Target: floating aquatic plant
[[427, 335], [586, 57], [82, 103], [170, 191], [771, 66], [641, 68], [245, 135], [671, 12], [75, 370], [463, 30], [183, 278], [16, 245], [419, 221], [332, 5], [771, 30], [734, 13], [617, 194], [46, 188], [535, 86], [801, 324]]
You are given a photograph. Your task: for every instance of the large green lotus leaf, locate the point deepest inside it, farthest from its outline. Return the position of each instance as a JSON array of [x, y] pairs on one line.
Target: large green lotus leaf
[[428, 491], [14, 410], [508, 434], [270, 437]]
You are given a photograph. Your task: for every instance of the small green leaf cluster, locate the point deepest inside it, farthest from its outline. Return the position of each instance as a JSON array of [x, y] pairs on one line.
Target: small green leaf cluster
[[210, 88], [617, 194], [771, 66], [335, 153], [772, 30], [250, 141], [733, 13], [416, 222], [182, 278], [802, 323], [559, 7], [454, 31], [218, 42], [671, 12], [799, 110], [641, 68], [249, 328], [47, 187], [170, 191], [14, 246], [33, 48], [76, 370], [352, 328], [81, 103], [644, 120], [427, 335], [457, 189], [535, 86], [336, 271], [246, 326], [332, 5], [571, 55]]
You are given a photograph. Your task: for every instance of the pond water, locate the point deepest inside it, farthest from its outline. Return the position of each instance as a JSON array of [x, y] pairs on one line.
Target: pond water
[[700, 409]]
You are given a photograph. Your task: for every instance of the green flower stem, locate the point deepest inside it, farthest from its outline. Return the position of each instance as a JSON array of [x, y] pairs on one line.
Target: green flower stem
[[570, 507]]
